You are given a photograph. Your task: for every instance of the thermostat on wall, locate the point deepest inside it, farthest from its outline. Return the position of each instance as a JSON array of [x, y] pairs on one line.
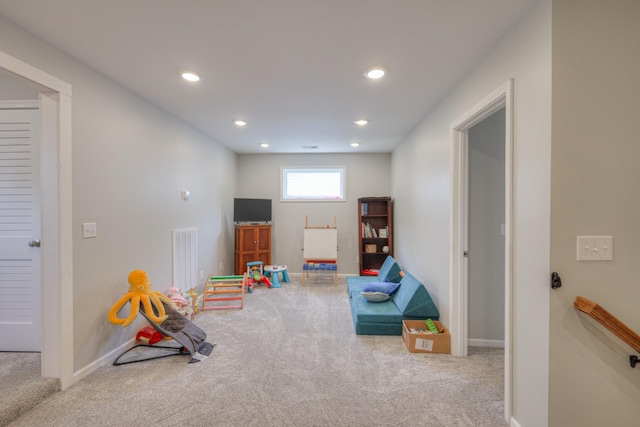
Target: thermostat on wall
[[186, 194]]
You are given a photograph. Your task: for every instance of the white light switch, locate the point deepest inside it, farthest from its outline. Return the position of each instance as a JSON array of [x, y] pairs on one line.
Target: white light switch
[[89, 230], [595, 248]]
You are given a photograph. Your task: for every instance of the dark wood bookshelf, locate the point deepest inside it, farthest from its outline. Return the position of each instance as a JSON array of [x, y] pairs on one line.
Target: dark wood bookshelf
[[375, 219]]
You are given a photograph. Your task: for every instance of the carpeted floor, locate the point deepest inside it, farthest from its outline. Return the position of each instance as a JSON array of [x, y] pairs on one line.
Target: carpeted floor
[[289, 358], [21, 386]]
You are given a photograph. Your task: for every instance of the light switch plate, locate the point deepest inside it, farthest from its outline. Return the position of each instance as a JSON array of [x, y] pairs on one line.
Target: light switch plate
[[594, 248]]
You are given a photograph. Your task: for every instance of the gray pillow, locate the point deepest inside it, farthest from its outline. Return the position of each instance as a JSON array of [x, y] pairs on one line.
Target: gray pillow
[[375, 296]]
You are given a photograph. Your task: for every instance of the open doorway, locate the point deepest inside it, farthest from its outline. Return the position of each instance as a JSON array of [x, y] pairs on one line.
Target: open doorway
[[499, 99], [485, 232], [54, 98]]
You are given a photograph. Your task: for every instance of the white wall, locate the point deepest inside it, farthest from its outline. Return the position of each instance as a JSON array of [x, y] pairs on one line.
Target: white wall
[[367, 175], [421, 188], [486, 240], [595, 176], [11, 90], [130, 161]]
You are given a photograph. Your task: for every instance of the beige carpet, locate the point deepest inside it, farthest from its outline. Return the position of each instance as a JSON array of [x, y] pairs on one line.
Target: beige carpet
[[21, 386], [289, 358]]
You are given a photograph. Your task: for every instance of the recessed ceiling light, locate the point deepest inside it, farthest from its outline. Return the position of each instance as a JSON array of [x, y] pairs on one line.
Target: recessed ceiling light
[[190, 77], [374, 73], [240, 123], [264, 145], [361, 122], [355, 144]]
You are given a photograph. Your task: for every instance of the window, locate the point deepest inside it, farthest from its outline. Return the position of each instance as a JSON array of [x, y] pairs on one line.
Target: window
[[305, 184]]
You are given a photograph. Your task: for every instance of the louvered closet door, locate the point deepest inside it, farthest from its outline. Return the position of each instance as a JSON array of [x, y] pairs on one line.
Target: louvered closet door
[[20, 293]]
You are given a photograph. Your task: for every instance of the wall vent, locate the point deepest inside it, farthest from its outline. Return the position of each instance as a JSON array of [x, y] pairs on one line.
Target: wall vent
[[185, 258]]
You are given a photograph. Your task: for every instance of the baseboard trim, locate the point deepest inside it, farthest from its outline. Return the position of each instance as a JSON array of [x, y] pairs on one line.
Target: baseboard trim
[[103, 361], [475, 342]]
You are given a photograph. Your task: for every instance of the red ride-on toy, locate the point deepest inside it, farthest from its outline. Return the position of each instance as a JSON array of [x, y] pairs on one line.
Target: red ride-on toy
[[148, 335], [255, 275]]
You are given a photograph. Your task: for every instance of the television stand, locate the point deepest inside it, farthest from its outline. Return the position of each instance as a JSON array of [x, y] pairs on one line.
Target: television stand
[[252, 243]]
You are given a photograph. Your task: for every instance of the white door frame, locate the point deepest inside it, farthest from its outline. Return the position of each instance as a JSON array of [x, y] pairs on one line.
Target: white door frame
[[57, 233], [502, 97]]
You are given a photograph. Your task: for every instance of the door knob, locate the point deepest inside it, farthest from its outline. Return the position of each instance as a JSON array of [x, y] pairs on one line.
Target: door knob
[[34, 243]]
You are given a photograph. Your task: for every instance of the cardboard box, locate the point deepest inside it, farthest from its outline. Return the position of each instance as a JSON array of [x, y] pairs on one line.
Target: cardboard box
[[370, 249], [420, 342]]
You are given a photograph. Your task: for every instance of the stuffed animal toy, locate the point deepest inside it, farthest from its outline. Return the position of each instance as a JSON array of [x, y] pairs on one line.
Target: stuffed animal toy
[[182, 301], [176, 296], [140, 291], [172, 291], [178, 299], [194, 301]]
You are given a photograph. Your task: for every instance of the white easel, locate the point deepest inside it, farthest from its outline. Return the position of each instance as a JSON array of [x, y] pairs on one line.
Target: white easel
[[320, 251]]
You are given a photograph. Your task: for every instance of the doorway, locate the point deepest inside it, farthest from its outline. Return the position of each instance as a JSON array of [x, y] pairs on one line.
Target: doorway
[[501, 98], [56, 225], [485, 232], [20, 285]]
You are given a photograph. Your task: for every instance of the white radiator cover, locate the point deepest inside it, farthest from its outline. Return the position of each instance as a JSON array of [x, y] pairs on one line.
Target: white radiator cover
[[185, 257]]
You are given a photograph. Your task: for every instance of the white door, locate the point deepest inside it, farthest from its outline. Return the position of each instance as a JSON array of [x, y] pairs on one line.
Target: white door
[[20, 292]]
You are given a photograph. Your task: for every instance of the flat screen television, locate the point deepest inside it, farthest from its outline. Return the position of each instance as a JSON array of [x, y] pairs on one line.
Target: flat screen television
[[252, 210]]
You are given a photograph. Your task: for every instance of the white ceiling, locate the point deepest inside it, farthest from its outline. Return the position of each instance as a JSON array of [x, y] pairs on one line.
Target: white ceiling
[[293, 69]]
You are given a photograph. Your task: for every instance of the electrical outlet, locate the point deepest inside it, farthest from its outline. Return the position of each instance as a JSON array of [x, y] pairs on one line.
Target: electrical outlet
[[357, 259], [201, 274], [89, 230], [221, 267], [594, 248]]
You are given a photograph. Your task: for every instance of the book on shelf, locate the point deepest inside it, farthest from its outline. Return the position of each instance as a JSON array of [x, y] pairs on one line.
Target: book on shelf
[[364, 208], [368, 230]]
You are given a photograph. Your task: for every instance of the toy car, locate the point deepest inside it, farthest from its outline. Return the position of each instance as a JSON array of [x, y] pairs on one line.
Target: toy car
[[148, 335]]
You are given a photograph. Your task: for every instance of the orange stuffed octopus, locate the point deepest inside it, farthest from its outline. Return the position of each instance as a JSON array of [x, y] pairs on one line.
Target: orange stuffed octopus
[[140, 290]]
